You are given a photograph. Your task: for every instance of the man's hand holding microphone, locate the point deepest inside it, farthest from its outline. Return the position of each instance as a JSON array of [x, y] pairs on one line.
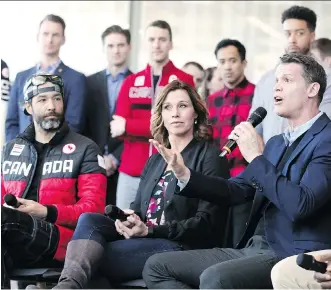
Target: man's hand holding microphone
[[324, 279], [27, 206]]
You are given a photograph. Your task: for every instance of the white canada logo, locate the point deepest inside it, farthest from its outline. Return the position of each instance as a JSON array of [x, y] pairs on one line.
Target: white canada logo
[[69, 148]]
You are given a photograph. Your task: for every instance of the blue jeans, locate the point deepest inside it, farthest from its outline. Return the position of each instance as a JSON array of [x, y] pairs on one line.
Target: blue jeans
[[124, 260]]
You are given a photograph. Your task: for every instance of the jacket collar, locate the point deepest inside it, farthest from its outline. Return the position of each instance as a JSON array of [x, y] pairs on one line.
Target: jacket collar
[[169, 66], [30, 134], [316, 128]]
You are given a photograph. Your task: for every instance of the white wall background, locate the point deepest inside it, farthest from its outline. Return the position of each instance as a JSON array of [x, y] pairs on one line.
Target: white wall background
[[85, 21], [197, 27]]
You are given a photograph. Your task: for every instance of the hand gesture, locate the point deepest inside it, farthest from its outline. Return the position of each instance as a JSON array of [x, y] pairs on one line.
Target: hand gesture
[[174, 159]]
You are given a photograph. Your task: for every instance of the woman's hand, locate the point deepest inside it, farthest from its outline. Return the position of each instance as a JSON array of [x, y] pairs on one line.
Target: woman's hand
[[128, 212], [136, 229], [174, 159]]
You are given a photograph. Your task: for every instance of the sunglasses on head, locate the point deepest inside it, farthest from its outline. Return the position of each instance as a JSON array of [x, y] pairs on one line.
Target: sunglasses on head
[[42, 79], [31, 87]]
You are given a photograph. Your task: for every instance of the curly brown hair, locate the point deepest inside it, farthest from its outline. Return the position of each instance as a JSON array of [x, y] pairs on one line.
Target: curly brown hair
[[202, 129]]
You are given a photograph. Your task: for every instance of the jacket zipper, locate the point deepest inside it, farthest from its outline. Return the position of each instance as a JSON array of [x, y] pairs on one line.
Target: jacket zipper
[[42, 165], [33, 170]]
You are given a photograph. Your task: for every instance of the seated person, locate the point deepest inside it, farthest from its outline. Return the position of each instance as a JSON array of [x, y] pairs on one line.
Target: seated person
[[286, 274], [158, 221], [290, 183], [56, 175]]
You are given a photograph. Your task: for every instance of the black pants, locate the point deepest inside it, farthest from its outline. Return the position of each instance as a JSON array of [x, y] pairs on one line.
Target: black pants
[[211, 269], [26, 241]]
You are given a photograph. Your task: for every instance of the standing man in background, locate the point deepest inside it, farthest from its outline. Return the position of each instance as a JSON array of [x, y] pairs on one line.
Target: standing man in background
[[230, 106], [299, 24], [321, 51], [5, 90], [103, 88], [51, 37], [131, 121], [196, 71]]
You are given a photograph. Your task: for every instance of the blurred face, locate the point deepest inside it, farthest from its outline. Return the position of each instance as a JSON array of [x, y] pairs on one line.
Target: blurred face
[[47, 110], [116, 49], [324, 62], [178, 114], [216, 83], [230, 65], [297, 35], [291, 92], [197, 74], [50, 38], [159, 44]]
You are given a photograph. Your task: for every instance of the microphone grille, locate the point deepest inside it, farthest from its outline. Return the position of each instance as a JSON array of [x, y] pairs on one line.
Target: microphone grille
[[257, 116]]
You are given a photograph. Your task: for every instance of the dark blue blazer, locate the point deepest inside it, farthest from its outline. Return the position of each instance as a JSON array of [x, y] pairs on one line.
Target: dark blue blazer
[[75, 90], [298, 198]]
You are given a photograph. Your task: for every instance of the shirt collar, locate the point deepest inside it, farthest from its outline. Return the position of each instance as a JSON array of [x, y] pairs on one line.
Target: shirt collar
[[51, 68], [290, 136], [122, 72], [241, 85]]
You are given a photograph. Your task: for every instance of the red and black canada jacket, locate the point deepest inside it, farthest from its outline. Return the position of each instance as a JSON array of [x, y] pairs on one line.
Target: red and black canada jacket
[[72, 179]]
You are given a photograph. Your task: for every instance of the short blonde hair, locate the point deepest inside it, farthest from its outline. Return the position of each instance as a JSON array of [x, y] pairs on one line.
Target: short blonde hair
[[202, 129]]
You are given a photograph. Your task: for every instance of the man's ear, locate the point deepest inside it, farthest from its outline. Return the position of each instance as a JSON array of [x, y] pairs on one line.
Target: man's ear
[[28, 107], [313, 90], [63, 40], [244, 62], [327, 60]]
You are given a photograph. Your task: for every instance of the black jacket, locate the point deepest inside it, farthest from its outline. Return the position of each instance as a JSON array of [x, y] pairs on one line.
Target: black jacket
[[195, 223], [98, 115]]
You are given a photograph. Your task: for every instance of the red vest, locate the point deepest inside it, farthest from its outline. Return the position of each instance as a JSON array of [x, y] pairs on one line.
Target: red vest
[[135, 101]]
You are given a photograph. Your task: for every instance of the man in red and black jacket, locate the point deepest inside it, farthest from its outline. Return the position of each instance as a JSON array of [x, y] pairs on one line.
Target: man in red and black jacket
[[131, 121], [55, 174], [231, 105]]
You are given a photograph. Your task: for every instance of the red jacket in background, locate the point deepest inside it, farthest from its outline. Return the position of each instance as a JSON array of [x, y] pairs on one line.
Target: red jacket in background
[[227, 108], [134, 103]]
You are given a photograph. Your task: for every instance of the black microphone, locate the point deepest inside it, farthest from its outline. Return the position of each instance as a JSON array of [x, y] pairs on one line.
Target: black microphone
[[115, 213], [255, 119], [308, 262], [11, 200]]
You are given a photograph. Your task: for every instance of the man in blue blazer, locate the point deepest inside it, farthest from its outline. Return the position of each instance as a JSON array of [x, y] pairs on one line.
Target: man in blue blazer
[[50, 39], [290, 183]]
